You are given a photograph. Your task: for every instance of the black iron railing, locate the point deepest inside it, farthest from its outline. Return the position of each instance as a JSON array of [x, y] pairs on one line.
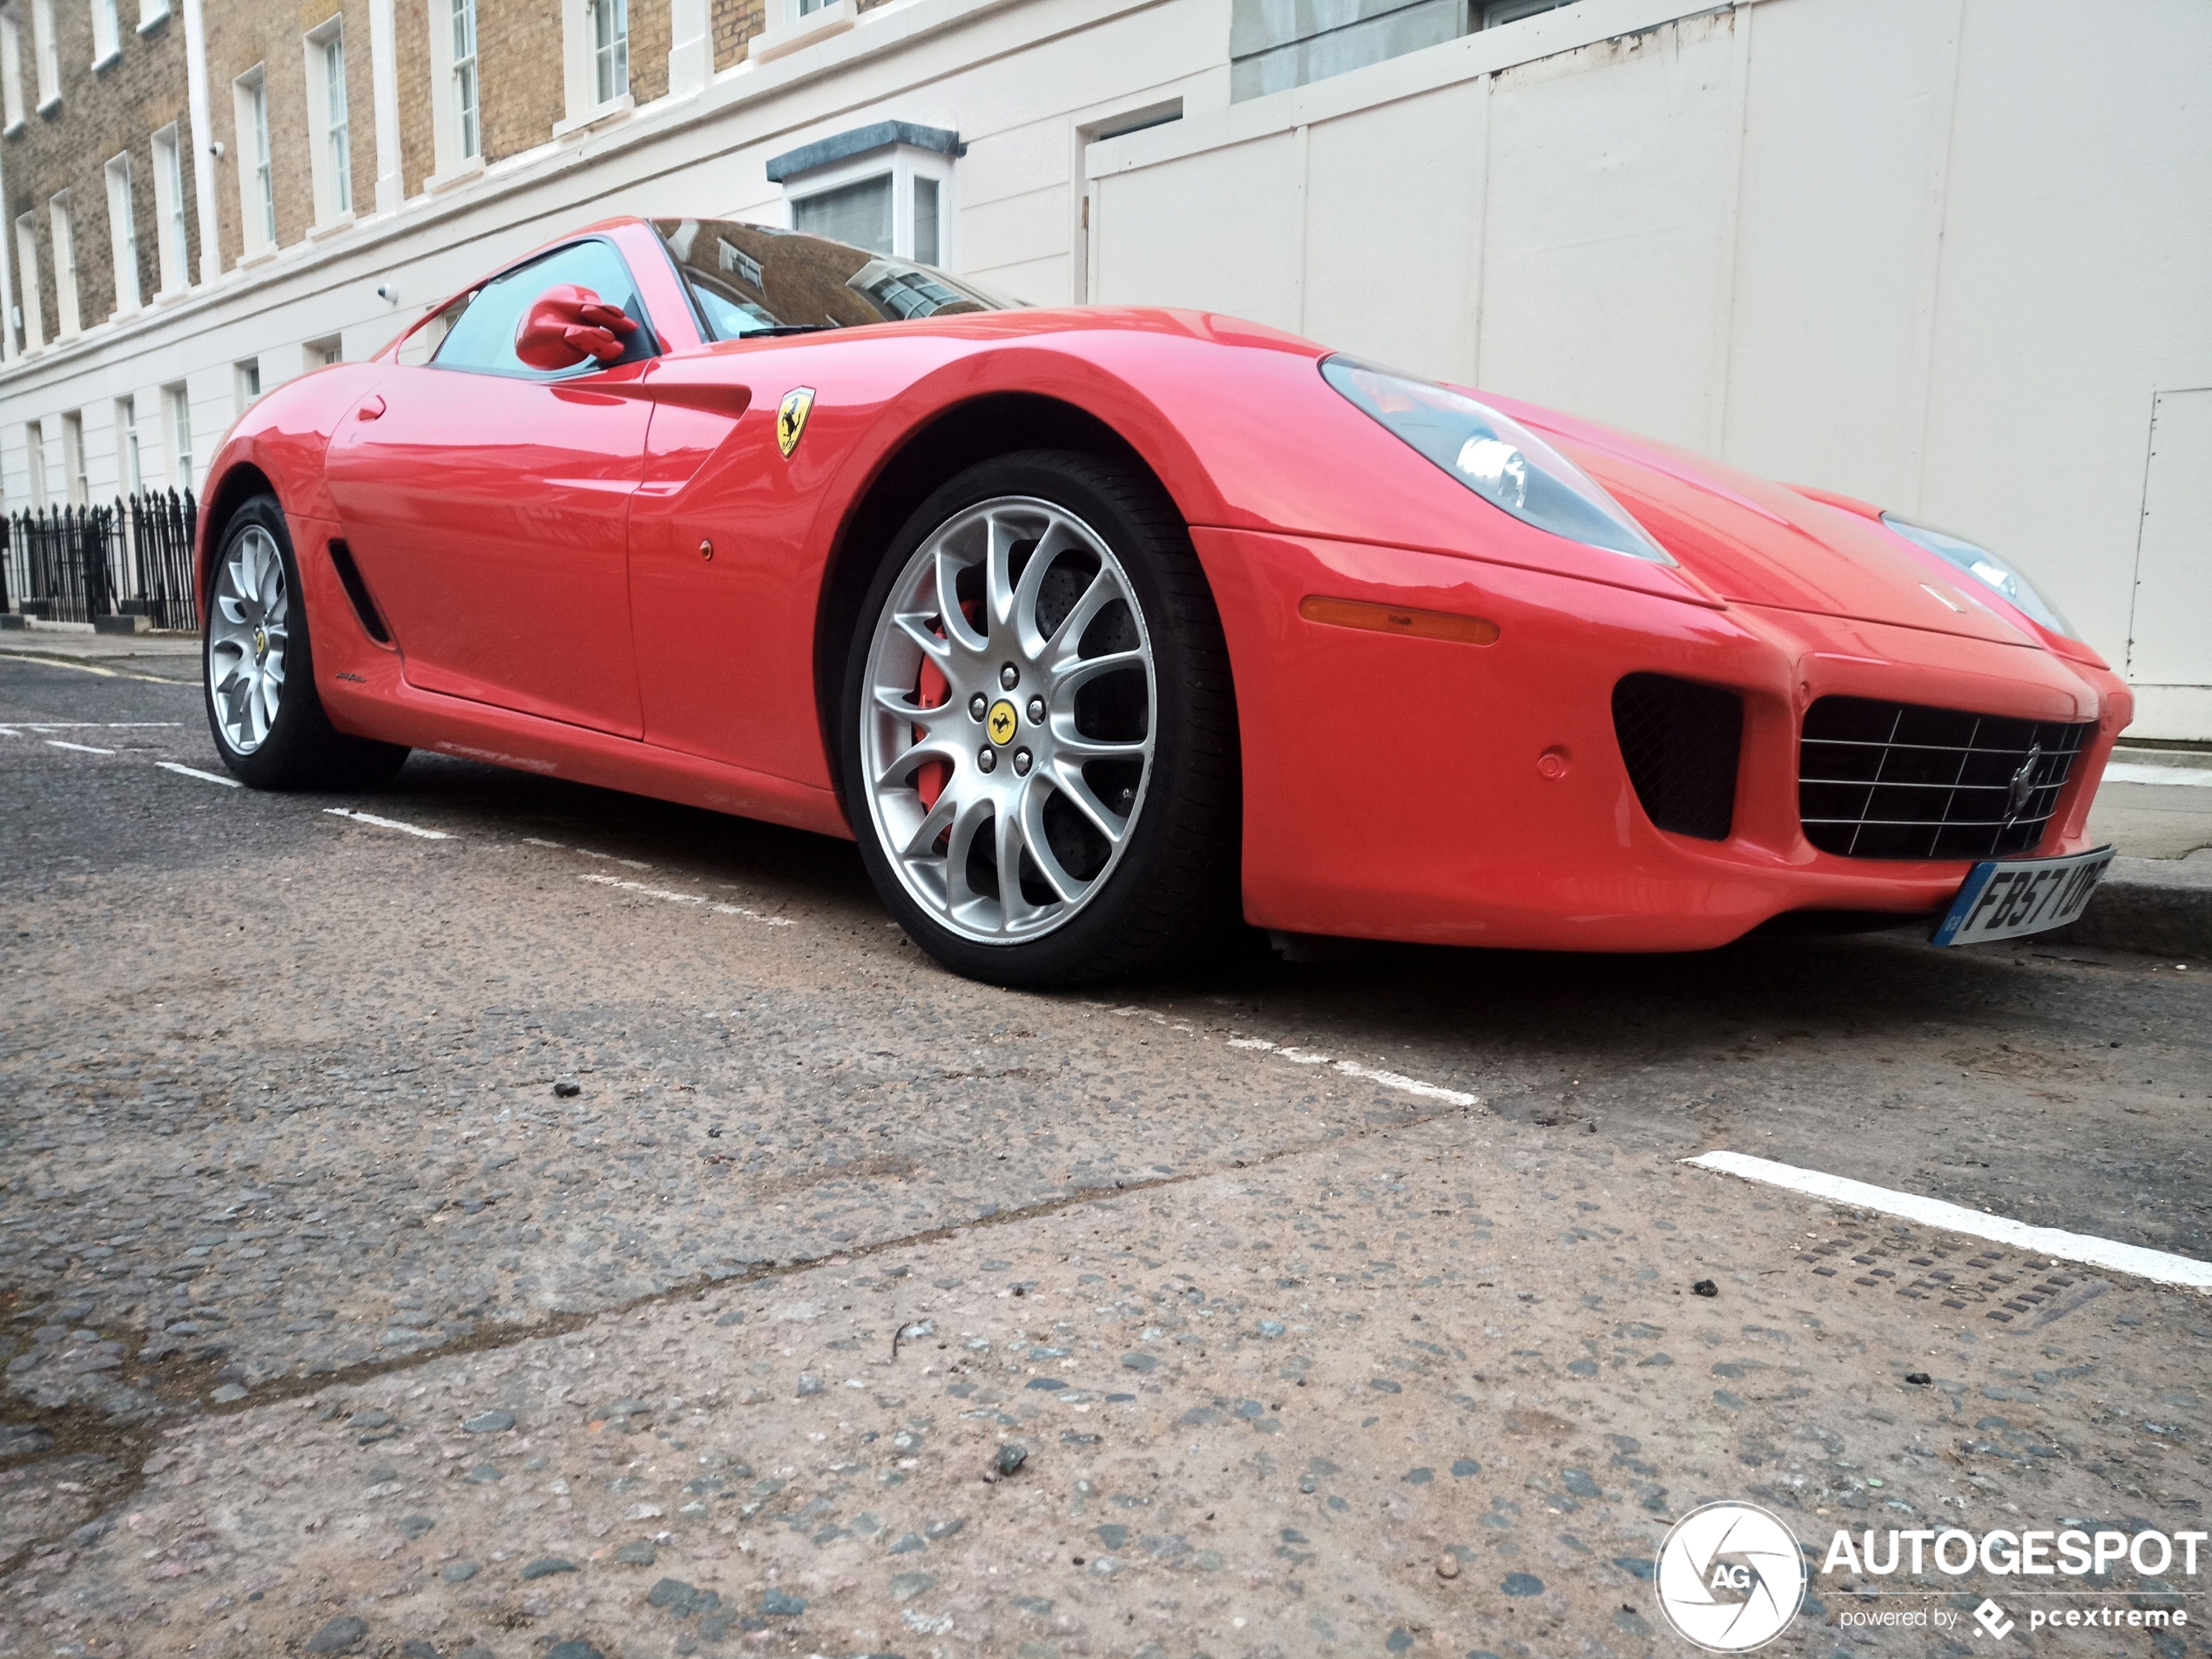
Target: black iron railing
[[131, 557]]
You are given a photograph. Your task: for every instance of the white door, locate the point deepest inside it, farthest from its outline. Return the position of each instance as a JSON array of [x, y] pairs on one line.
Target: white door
[[2169, 645]]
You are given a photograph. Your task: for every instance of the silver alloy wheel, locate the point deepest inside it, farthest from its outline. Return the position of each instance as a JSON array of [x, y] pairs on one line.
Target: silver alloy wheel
[[1039, 742], [247, 634]]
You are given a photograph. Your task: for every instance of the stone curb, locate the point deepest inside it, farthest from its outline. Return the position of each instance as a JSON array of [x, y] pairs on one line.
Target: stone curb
[[2160, 905]]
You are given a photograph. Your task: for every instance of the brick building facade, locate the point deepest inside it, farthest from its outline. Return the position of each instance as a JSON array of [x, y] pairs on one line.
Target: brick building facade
[[291, 95], [94, 132]]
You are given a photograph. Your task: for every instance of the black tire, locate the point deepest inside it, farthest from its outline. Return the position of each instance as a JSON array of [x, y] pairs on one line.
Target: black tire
[[1175, 886], [302, 750]]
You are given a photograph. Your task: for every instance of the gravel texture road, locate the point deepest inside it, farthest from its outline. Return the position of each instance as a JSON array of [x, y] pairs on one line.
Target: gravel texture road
[[499, 1217]]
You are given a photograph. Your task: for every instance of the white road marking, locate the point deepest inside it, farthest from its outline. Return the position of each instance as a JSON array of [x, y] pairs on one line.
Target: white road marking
[[2157, 1265], [388, 823], [94, 725], [2198, 777], [532, 841], [1381, 1079], [81, 748], [194, 771], [8, 731], [717, 908]]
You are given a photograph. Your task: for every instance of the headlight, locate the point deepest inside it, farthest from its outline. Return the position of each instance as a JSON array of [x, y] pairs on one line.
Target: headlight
[[1496, 456], [2000, 575]]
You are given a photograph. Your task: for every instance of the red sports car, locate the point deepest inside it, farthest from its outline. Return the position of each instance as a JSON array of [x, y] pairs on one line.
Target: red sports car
[[1099, 627]]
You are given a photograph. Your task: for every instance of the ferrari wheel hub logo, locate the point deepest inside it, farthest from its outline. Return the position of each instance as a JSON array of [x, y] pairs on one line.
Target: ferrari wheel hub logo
[[1001, 722], [260, 643], [791, 418], [1730, 1577]]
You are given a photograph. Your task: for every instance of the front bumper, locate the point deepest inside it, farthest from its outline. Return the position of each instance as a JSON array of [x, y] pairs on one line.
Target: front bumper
[[1438, 792]]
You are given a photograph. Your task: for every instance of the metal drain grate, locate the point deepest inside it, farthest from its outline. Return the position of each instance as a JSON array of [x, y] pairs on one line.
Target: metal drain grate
[[2024, 1292]]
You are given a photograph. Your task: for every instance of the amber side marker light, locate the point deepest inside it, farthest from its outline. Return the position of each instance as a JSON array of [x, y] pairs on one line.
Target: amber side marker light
[[1392, 619]]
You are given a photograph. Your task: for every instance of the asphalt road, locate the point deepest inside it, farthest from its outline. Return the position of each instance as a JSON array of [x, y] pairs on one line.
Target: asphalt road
[[293, 1185]]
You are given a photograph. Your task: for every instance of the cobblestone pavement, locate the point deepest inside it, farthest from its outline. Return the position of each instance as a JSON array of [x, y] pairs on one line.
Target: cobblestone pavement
[[588, 1227]]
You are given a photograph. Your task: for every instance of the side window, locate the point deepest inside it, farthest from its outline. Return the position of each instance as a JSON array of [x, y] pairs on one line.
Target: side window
[[481, 337]]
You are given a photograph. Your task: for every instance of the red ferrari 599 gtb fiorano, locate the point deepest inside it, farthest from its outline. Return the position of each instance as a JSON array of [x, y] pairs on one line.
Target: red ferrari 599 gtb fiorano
[[1099, 627]]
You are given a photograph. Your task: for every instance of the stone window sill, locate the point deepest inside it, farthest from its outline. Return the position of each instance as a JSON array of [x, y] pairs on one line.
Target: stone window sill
[[107, 60], [153, 25], [816, 26], [613, 110], [331, 227], [468, 173], [258, 256], [52, 107], [13, 130]]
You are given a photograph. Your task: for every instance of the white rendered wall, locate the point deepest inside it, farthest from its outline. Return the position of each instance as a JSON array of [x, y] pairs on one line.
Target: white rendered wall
[[1941, 255]]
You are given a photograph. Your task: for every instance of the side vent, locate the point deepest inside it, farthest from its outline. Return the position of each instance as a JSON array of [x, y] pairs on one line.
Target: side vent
[[1680, 741], [357, 590]]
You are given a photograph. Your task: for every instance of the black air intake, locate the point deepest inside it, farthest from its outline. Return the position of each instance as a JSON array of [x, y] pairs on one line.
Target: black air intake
[[1680, 741], [1895, 780]]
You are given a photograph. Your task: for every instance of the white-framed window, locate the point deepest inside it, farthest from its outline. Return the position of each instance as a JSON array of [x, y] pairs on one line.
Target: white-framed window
[[170, 242], [246, 376], [123, 233], [896, 200], [65, 232], [29, 300], [11, 110], [74, 480], [321, 353], [608, 31], [34, 440], [330, 159], [456, 94], [256, 167], [176, 415], [130, 463], [107, 33], [46, 53]]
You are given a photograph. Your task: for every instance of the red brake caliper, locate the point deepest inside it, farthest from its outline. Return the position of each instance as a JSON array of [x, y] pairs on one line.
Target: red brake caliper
[[931, 690], [932, 776]]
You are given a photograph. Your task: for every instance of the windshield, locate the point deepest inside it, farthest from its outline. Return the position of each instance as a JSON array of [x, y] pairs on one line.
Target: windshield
[[755, 278]]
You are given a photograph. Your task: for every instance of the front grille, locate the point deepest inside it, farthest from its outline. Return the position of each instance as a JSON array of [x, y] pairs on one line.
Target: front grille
[[1893, 780], [1680, 741]]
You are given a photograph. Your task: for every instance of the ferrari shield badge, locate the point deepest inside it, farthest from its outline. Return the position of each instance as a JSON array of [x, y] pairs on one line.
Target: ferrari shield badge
[[791, 418], [1000, 723]]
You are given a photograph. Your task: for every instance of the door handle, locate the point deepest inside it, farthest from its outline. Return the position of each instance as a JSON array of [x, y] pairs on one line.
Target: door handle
[[371, 408]]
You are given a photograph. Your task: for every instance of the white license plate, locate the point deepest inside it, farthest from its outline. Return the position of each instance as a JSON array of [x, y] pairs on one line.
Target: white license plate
[[2005, 898]]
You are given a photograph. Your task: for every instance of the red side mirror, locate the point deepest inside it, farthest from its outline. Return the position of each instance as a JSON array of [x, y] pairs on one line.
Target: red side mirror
[[568, 324]]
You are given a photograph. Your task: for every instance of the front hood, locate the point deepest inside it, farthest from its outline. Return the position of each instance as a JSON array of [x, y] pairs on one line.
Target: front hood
[[1754, 543]]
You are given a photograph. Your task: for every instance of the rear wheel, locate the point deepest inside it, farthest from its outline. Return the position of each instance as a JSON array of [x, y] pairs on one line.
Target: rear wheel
[[257, 671], [1040, 733]]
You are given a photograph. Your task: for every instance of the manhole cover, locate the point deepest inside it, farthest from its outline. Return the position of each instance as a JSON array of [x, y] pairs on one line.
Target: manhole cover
[[2026, 1292]]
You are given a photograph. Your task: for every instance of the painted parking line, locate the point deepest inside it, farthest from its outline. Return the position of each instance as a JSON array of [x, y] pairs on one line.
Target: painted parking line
[[95, 726], [2136, 1260], [81, 748], [1395, 1080], [388, 823], [178, 767], [667, 897]]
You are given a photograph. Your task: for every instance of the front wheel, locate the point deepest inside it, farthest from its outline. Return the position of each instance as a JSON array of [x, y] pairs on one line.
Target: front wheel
[[259, 673], [1040, 731]]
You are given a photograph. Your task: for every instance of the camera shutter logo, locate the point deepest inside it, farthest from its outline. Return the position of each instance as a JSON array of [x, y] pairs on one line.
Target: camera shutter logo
[[1730, 1577]]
